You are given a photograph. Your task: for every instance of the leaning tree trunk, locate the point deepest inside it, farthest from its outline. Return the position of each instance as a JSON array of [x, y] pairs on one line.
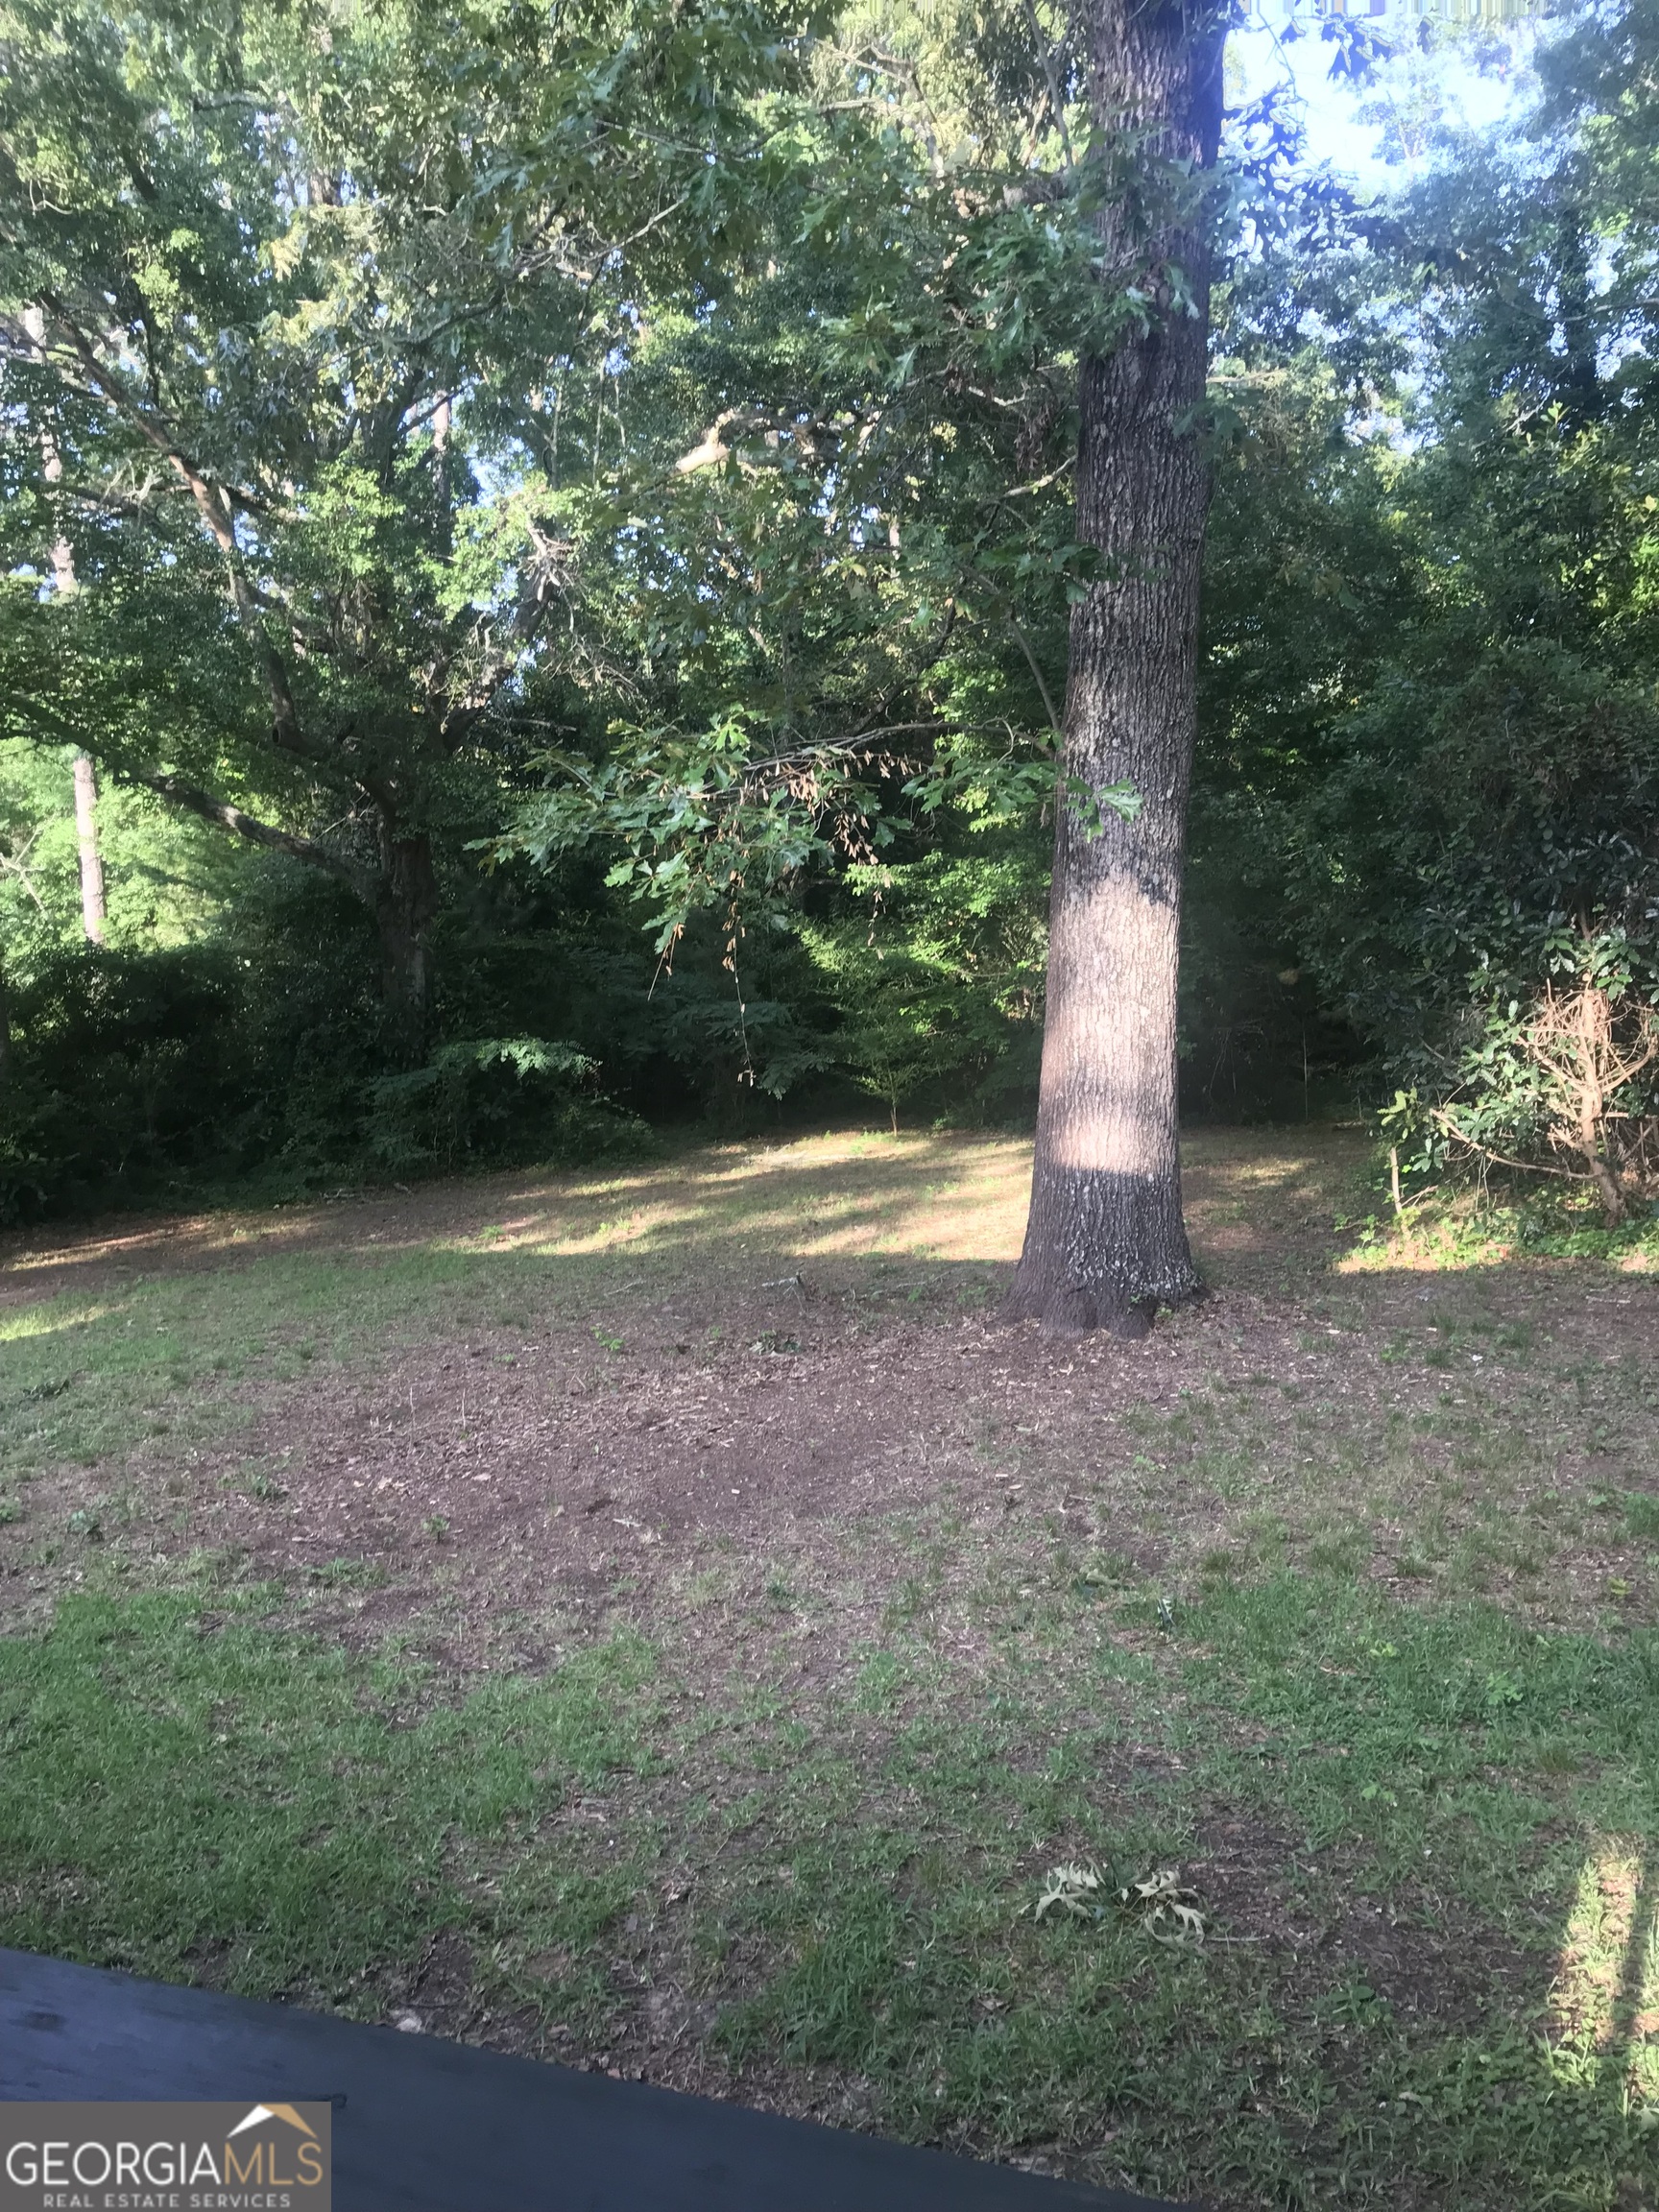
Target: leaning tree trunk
[[1105, 1241]]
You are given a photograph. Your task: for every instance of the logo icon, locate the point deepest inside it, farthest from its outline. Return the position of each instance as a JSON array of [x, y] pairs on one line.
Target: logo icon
[[174, 2158], [274, 2112]]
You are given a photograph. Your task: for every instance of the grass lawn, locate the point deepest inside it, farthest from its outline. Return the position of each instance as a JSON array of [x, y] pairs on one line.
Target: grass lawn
[[658, 1619]]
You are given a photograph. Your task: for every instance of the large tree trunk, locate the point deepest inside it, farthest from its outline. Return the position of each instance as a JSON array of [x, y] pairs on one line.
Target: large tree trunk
[[1105, 1241], [86, 838], [406, 906]]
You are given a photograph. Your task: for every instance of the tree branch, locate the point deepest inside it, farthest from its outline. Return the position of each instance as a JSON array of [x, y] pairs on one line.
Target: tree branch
[[541, 580], [1051, 79], [364, 881], [1502, 1159], [861, 741], [214, 506], [1032, 663]]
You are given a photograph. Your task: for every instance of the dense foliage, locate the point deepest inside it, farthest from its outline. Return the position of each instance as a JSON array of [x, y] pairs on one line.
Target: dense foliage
[[1470, 853], [555, 531]]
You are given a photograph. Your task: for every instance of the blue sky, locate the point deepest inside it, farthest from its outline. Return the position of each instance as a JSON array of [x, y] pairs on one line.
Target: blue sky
[[1332, 112]]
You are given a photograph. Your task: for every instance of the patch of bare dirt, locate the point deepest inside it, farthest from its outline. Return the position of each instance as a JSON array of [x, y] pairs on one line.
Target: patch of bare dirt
[[1420, 1953], [752, 1402]]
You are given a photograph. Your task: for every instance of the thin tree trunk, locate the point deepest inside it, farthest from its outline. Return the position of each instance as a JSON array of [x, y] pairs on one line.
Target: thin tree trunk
[[405, 909], [1595, 1041], [86, 837], [1105, 1241], [441, 425], [5, 1025], [65, 584]]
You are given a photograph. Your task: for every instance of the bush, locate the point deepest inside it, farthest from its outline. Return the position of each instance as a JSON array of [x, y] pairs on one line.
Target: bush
[[144, 1077]]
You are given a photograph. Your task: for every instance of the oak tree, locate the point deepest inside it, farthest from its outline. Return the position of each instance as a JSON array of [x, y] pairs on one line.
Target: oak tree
[[1106, 1241]]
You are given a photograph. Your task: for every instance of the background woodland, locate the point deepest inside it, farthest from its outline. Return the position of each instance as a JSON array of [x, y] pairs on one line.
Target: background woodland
[[543, 538]]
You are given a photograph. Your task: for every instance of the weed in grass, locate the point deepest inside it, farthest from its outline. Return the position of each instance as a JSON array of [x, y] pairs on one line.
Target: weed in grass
[[910, 1601], [350, 1575], [1107, 1570], [49, 1387], [1341, 1552], [1558, 1755], [711, 1587], [879, 1680]]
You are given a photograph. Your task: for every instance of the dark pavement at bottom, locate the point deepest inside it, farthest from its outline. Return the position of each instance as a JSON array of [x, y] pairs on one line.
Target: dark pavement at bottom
[[425, 2126]]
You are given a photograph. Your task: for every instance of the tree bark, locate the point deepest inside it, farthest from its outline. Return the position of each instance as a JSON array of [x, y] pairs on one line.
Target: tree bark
[[1105, 1241], [405, 909], [86, 838]]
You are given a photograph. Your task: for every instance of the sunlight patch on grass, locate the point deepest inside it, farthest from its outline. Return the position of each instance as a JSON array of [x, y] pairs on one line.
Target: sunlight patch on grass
[[50, 1320], [1604, 2005], [1464, 1235], [817, 1197], [845, 1195]]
